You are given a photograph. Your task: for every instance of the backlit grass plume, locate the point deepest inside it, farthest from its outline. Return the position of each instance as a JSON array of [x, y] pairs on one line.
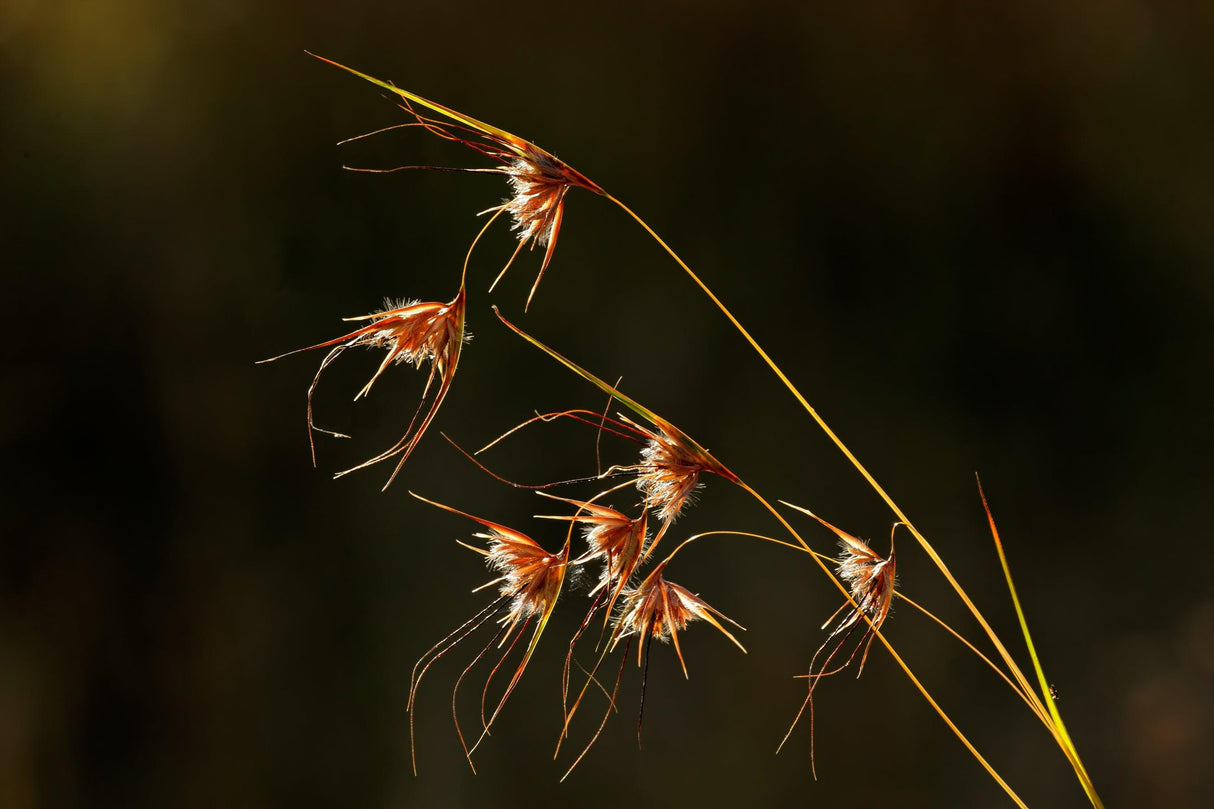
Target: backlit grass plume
[[538, 179], [871, 583], [629, 598], [529, 584], [657, 608], [410, 333]]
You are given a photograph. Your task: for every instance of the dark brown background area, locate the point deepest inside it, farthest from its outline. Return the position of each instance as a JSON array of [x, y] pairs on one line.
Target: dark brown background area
[[978, 240]]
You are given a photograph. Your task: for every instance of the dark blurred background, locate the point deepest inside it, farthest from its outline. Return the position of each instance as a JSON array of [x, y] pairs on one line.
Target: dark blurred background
[[978, 240]]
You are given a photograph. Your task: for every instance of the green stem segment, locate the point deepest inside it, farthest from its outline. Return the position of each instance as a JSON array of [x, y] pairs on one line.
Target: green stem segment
[[1060, 731]]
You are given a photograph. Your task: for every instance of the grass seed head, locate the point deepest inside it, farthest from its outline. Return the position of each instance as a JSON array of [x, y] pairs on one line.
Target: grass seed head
[[668, 474], [615, 538], [660, 609], [539, 183], [411, 333], [530, 576], [538, 179], [870, 577], [529, 585]]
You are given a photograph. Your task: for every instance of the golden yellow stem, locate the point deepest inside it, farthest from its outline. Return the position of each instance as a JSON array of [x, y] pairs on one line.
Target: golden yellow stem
[[1024, 688], [897, 657]]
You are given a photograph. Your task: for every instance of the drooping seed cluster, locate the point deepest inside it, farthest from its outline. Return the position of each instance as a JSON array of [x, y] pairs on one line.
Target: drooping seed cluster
[[413, 333], [668, 474]]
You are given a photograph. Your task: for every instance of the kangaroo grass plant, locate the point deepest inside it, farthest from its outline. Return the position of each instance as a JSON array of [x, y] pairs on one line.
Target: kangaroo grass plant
[[631, 600]]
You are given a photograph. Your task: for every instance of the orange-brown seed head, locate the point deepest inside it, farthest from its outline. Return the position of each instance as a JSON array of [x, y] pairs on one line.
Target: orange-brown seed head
[[539, 180], [870, 577], [668, 474], [413, 333], [661, 609], [611, 536], [615, 538], [531, 576]]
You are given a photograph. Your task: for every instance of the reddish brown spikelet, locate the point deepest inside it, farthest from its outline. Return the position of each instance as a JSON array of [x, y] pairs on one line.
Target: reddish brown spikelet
[[538, 179], [669, 472], [661, 609], [656, 608], [530, 576], [412, 333], [671, 462], [870, 577], [618, 540], [611, 536], [529, 586], [668, 478], [871, 580], [539, 182]]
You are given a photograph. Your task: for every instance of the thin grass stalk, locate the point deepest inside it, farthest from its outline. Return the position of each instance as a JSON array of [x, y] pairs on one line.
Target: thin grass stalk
[[986, 765], [821, 422], [1063, 739], [1033, 704]]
